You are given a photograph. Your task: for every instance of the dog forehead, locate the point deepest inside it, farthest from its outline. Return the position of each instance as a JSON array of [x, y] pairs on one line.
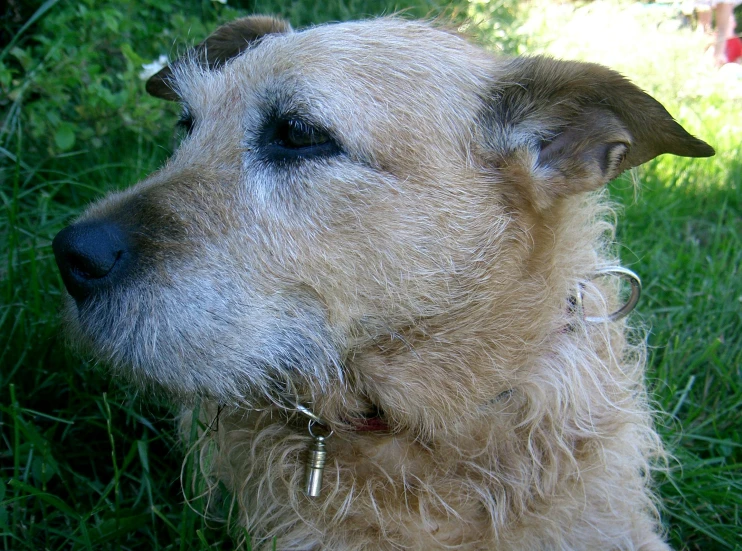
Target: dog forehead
[[372, 55], [377, 73], [389, 48], [384, 42], [383, 86]]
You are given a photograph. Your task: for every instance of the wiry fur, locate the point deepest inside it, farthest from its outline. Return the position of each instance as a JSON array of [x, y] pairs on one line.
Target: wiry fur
[[425, 272]]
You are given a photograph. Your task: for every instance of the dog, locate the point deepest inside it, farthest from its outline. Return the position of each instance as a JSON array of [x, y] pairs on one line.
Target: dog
[[370, 275]]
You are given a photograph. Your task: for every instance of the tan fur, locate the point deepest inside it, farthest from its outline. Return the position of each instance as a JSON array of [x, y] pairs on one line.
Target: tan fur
[[425, 270]]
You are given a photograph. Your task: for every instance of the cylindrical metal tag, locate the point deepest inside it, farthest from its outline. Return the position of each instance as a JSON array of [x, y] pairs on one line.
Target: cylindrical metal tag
[[315, 466]]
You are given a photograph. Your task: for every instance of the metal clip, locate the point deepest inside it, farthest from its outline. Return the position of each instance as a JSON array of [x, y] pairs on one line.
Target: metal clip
[[625, 310], [315, 465]]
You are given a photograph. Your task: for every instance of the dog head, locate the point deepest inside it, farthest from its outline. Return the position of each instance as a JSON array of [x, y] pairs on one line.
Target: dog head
[[350, 202]]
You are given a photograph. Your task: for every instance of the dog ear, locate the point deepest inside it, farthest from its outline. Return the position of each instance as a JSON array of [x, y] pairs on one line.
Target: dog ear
[[225, 43], [575, 126]]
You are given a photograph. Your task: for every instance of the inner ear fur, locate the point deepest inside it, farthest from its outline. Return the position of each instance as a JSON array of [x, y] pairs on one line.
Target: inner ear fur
[[225, 43], [575, 126]]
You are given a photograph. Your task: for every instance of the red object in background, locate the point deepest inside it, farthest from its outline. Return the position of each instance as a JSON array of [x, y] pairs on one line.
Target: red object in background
[[733, 49]]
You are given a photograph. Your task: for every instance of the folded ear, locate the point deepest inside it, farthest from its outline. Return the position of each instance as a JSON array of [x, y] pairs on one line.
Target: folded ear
[[570, 127], [225, 43]]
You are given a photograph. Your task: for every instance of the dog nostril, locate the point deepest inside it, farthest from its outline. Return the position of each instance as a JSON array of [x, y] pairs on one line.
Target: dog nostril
[[94, 266], [91, 256]]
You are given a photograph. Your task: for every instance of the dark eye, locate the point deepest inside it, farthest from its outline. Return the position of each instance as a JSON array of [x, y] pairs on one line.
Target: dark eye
[[186, 122], [297, 134], [292, 139]]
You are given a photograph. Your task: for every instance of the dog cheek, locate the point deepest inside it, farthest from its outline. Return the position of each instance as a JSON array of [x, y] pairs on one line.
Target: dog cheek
[[248, 343], [202, 333]]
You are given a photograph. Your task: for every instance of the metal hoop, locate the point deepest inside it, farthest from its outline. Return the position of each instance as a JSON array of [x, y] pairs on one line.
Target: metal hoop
[[309, 413], [625, 310], [312, 422]]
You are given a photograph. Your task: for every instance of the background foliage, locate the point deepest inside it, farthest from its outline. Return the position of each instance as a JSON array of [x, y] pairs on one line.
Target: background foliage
[[86, 464]]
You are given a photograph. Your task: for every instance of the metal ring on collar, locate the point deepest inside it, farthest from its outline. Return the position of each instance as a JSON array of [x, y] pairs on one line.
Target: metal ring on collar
[[309, 413], [625, 310], [311, 432], [312, 416]]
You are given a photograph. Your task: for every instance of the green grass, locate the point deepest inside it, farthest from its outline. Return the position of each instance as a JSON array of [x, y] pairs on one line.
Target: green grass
[[685, 241], [87, 464]]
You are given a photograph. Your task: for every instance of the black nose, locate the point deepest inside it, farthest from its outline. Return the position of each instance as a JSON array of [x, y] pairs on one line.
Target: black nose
[[91, 256]]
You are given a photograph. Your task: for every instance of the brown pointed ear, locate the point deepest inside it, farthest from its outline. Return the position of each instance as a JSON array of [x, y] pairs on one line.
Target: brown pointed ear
[[225, 43], [575, 126]]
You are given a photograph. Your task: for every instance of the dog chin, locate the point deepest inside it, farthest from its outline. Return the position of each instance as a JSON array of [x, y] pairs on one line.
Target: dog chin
[[252, 364]]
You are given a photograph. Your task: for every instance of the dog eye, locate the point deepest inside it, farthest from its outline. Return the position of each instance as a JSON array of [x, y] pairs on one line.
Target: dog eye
[[186, 122], [297, 134], [293, 139]]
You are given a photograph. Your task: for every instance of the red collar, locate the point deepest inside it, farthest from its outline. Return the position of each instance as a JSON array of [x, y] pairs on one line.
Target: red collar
[[370, 424]]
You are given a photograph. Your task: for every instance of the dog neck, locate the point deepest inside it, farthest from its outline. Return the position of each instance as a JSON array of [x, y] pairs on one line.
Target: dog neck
[[370, 423], [375, 422]]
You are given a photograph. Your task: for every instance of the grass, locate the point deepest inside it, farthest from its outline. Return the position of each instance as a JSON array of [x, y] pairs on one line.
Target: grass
[[684, 239], [86, 464]]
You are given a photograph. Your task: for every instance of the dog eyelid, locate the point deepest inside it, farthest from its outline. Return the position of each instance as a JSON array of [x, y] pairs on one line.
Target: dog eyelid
[[294, 138], [186, 121], [296, 133], [187, 124]]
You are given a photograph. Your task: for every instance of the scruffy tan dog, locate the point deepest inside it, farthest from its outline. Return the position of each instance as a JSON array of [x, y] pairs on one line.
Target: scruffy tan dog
[[382, 225]]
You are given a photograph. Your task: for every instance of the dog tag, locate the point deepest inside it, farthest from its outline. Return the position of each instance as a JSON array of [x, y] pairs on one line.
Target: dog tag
[[315, 467]]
